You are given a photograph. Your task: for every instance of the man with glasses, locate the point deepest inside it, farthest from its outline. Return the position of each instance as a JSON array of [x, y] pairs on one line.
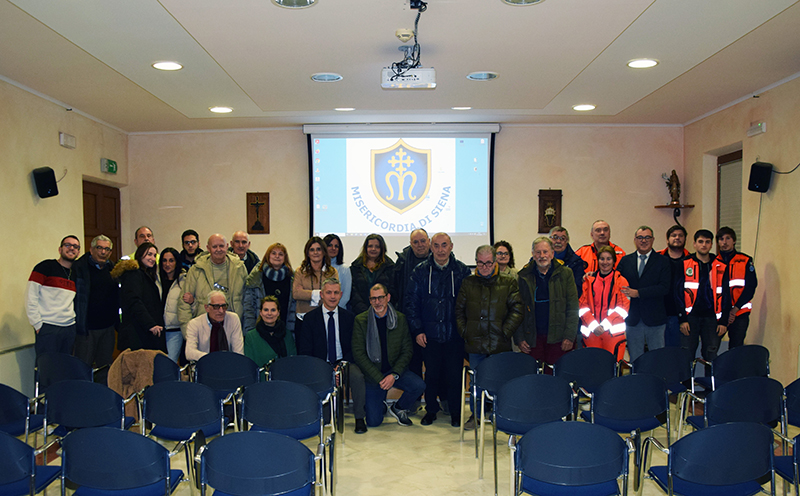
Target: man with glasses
[[382, 350], [564, 252], [217, 330], [488, 312], [50, 297], [216, 269], [649, 276], [190, 241], [96, 305]]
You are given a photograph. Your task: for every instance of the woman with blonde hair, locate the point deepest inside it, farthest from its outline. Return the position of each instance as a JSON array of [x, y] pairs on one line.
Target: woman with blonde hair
[[272, 276]]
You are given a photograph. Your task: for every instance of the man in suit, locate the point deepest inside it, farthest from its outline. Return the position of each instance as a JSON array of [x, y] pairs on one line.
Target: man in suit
[[649, 275], [327, 333]]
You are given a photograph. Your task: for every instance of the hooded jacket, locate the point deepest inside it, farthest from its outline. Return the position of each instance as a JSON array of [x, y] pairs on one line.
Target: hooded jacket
[[200, 281]]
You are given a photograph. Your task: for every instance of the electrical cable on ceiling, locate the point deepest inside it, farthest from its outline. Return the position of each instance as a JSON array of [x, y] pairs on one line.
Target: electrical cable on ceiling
[[412, 58]]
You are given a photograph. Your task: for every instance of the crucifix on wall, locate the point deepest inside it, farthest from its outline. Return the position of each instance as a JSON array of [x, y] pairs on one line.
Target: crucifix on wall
[[258, 213]]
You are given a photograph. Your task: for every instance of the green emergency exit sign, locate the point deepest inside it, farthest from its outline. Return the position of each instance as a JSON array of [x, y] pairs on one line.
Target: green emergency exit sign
[[108, 165]]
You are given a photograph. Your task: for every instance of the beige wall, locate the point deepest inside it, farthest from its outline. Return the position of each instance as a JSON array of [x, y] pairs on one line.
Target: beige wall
[[29, 127], [774, 316]]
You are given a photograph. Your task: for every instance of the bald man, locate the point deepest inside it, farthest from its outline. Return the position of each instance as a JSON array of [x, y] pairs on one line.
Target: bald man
[[215, 269], [240, 245]]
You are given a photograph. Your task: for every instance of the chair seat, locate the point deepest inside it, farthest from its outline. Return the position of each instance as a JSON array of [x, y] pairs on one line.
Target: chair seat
[[17, 428], [63, 430], [784, 466], [617, 425], [705, 382], [686, 488], [45, 475], [180, 434], [155, 489], [696, 421], [303, 491], [540, 488], [302, 432]]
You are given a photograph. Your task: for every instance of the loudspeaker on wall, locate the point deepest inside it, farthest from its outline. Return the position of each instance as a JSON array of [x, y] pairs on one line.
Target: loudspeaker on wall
[[760, 177], [45, 180]]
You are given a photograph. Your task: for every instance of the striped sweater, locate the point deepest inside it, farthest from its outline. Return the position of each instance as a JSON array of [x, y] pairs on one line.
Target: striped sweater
[[51, 291]]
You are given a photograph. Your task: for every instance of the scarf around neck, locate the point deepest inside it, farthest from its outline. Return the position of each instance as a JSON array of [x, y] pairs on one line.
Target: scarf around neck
[[373, 340], [271, 274], [274, 336]]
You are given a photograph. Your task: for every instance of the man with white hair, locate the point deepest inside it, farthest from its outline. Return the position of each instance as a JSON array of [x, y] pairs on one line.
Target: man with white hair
[[217, 330], [240, 245]]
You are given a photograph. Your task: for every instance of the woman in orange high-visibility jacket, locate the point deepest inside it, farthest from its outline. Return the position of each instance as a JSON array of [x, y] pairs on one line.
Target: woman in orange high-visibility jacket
[[603, 308]]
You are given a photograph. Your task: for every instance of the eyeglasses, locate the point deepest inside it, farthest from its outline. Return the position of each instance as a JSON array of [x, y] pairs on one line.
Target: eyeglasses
[[484, 264], [190, 242], [375, 299], [102, 249], [643, 238], [71, 245], [558, 238], [503, 253], [218, 306]]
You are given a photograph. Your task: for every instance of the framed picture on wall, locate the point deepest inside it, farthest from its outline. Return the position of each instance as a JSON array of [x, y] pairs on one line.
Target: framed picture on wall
[[549, 209], [257, 213]]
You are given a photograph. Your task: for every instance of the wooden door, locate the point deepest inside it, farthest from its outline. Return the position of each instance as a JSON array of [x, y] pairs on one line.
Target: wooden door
[[101, 216]]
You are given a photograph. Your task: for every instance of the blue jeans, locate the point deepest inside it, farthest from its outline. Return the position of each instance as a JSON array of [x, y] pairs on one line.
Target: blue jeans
[[52, 338], [174, 344], [412, 387], [638, 335]]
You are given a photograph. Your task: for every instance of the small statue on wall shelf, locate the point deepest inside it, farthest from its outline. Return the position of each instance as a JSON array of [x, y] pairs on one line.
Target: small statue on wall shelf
[[674, 187]]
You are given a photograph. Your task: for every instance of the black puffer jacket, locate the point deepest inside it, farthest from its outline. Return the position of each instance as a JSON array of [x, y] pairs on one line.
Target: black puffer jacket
[[488, 311], [359, 294], [431, 297]]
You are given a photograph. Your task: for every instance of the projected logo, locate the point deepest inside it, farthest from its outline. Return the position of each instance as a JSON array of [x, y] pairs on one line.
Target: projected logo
[[401, 176]]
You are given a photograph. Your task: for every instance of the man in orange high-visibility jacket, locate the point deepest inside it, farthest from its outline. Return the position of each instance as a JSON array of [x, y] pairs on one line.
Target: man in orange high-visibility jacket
[[741, 279], [601, 236]]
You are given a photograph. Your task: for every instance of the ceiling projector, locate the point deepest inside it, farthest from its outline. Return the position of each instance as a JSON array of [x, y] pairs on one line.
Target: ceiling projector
[[410, 79]]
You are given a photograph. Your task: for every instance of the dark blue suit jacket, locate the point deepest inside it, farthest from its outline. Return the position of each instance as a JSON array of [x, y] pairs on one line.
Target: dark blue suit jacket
[[652, 286], [312, 339]]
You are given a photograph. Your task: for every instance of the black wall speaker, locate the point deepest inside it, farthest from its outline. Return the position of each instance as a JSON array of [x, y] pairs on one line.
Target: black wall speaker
[[45, 180], [760, 177]]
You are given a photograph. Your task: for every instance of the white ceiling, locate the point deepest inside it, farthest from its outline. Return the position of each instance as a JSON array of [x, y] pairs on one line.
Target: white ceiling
[[96, 56]]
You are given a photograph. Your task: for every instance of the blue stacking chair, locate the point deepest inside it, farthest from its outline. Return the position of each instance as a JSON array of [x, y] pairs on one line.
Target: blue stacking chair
[[291, 409], [257, 463], [791, 394], [787, 466], [105, 461], [487, 379], [527, 402], [725, 459], [572, 458], [750, 360], [227, 373], [749, 399], [631, 404], [55, 367], [586, 368], [15, 413], [179, 410], [673, 365], [77, 404], [164, 369], [19, 474]]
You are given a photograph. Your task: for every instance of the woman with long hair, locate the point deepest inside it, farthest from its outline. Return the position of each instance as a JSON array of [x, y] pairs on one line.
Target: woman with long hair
[[307, 285], [269, 339], [336, 254], [603, 307], [505, 258], [371, 267], [172, 274], [272, 276], [142, 308]]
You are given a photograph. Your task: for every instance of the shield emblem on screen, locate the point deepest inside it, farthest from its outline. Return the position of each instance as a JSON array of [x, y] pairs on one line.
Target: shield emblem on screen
[[401, 176]]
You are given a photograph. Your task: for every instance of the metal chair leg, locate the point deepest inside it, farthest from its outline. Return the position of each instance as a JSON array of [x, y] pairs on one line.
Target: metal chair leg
[[463, 399], [482, 437]]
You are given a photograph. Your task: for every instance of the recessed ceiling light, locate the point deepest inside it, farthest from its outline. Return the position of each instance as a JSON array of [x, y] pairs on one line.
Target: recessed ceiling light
[[583, 107], [221, 110], [326, 77], [460, 108], [294, 4], [642, 63], [522, 2], [482, 76], [167, 66], [344, 109]]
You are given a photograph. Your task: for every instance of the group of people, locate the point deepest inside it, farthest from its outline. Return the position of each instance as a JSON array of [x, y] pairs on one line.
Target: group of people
[[387, 319]]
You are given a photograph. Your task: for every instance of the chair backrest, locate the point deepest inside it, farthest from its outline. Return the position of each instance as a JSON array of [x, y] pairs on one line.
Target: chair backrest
[[671, 363], [181, 405], [16, 459], [77, 404], [262, 463], [500, 368], [55, 367], [311, 371], [164, 369], [528, 401], [749, 399], [572, 454], [288, 408], [792, 394], [13, 406], [723, 454], [113, 459], [631, 397], [586, 367], [750, 360], [226, 371]]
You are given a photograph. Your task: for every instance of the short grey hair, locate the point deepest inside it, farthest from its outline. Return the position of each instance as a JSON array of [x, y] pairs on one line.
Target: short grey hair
[[542, 239], [102, 237], [486, 249], [329, 281], [643, 228], [556, 229], [214, 293]]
